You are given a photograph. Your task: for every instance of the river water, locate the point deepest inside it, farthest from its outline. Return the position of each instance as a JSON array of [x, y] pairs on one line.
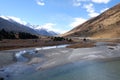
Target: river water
[[19, 54], [106, 69], [83, 70]]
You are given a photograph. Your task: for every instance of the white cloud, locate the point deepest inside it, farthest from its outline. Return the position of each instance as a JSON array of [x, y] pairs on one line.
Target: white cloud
[[104, 10], [76, 3], [94, 14], [50, 27], [79, 2], [15, 19], [40, 2], [90, 9], [77, 21], [101, 1]]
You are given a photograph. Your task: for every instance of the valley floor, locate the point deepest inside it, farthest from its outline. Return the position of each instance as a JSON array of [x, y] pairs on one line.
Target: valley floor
[[28, 61], [8, 44]]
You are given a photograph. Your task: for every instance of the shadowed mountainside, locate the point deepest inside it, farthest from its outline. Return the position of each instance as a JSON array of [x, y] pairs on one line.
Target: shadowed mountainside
[[15, 27], [9, 24]]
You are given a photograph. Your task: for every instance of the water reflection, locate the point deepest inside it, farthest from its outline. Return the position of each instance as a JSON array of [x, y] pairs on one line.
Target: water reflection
[[87, 70]]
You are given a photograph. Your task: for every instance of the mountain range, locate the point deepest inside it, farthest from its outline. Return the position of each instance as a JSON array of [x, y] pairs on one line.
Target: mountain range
[[10, 24], [42, 31], [105, 25]]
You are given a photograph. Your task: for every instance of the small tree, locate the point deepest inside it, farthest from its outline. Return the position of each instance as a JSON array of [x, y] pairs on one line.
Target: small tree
[[0, 38], [70, 40], [58, 39], [23, 35]]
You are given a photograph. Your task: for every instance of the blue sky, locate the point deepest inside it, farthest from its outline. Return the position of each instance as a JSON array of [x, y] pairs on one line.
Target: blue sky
[[57, 15]]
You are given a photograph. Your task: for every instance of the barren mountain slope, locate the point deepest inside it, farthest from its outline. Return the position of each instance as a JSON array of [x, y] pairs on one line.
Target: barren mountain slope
[[106, 25]]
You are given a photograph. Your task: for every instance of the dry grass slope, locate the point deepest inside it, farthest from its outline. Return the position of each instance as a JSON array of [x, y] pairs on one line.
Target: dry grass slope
[[106, 25]]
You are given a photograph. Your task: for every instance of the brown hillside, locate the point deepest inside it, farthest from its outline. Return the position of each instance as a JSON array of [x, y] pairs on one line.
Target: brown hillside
[[106, 25]]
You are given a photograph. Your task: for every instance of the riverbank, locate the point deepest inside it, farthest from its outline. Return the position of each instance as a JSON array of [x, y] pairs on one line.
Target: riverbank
[[41, 59], [9, 44]]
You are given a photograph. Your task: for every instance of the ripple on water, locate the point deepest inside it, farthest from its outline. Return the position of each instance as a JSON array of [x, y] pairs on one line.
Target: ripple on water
[[90, 70]]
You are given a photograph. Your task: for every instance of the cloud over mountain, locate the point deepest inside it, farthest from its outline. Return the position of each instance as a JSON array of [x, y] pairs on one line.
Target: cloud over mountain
[[90, 9], [77, 21]]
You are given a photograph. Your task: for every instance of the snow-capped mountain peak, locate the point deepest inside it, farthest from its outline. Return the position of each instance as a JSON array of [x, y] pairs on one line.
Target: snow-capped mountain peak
[[14, 19], [42, 30]]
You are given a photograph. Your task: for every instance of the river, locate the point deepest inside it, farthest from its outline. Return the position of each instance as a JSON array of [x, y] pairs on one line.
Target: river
[[86, 70], [19, 54], [97, 63]]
